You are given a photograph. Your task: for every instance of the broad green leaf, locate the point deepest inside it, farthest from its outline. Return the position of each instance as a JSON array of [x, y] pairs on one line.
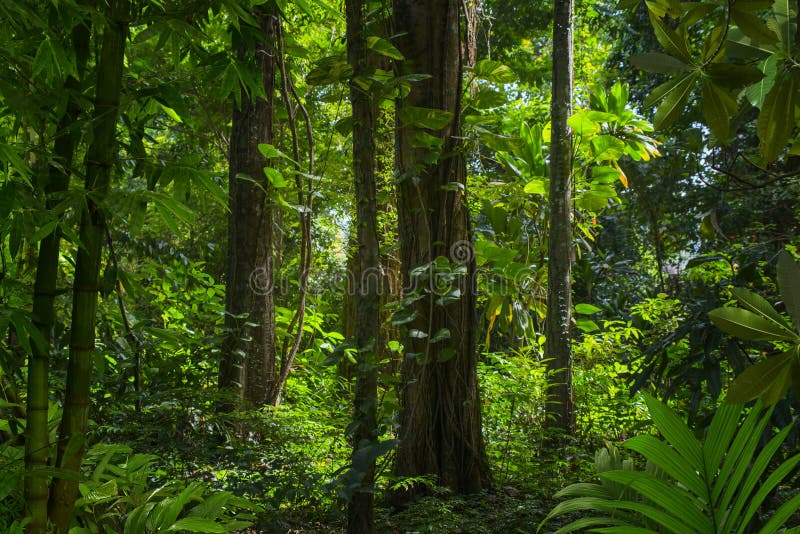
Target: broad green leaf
[[668, 459], [493, 71], [657, 62], [697, 12], [668, 496], [785, 15], [671, 40], [757, 304], [768, 380], [488, 98], [674, 431], [661, 8], [753, 27], [774, 130], [434, 119], [732, 76], [745, 324], [218, 194], [789, 285], [196, 524], [717, 106], [383, 47], [739, 46], [781, 516], [586, 309], [537, 186], [757, 93], [755, 489], [275, 177], [674, 102], [722, 430]]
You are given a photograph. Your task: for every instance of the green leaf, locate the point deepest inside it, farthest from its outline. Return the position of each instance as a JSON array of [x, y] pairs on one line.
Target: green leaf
[[586, 309], [673, 42], [768, 380], [441, 335], [785, 16], [674, 431], [774, 124], [668, 459], [657, 62], [537, 186], [789, 285], [757, 304], [753, 27], [758, 92], [493, 71], [717, 106], [732, 76], [739, 46], [275, 177], [745, 324], [434, 119], [196, 524], [674, 102], [383, 47]]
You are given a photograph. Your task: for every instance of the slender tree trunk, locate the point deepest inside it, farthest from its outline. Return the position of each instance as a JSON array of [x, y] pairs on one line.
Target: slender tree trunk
[[99, 162], [37, 444], [558, 350], [440, 419], [249, 363], [367, 277]]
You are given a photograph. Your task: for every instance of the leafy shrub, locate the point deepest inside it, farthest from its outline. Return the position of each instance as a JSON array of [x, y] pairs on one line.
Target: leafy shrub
[[714, 486]]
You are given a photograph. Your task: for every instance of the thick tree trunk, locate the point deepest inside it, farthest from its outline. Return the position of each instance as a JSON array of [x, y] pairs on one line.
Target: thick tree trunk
[[558, 350], [367, 277], [440, 420], [248, 365], [99, 162], [37, 443]]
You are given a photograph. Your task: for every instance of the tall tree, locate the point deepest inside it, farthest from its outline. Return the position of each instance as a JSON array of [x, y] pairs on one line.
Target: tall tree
[[367, 279], [248, 366], [440, 420], [558, 350], [100, 160], [37, 443]]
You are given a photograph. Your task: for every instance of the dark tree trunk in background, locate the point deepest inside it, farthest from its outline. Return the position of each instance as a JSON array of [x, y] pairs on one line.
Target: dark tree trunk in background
[[440, 420], [100, 160], [248, 365], [558, 350]]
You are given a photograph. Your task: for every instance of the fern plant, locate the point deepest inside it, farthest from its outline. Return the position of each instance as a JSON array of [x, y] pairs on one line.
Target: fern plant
[[710, 487]]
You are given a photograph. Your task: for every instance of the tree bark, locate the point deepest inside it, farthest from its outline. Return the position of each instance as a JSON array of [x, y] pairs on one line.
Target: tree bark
[[248, 366], [367, 278], [99, 162], [558, 350], [440, 419], [37, 443]]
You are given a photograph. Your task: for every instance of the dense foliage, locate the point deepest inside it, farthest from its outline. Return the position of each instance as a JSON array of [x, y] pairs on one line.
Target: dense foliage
[[386, 341]]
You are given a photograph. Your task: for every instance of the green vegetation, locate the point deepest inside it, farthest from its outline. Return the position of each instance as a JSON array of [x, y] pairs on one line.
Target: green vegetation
[[409, 266]]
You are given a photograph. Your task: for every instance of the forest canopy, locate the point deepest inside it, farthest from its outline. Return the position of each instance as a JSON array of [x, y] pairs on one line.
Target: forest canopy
[[399, 266]]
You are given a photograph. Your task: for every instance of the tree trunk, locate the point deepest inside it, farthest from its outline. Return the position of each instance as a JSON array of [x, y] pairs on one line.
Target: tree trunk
[[37, 444], [440, 419], [100, 160], [248, 365], [558, 350], [367, 277]]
